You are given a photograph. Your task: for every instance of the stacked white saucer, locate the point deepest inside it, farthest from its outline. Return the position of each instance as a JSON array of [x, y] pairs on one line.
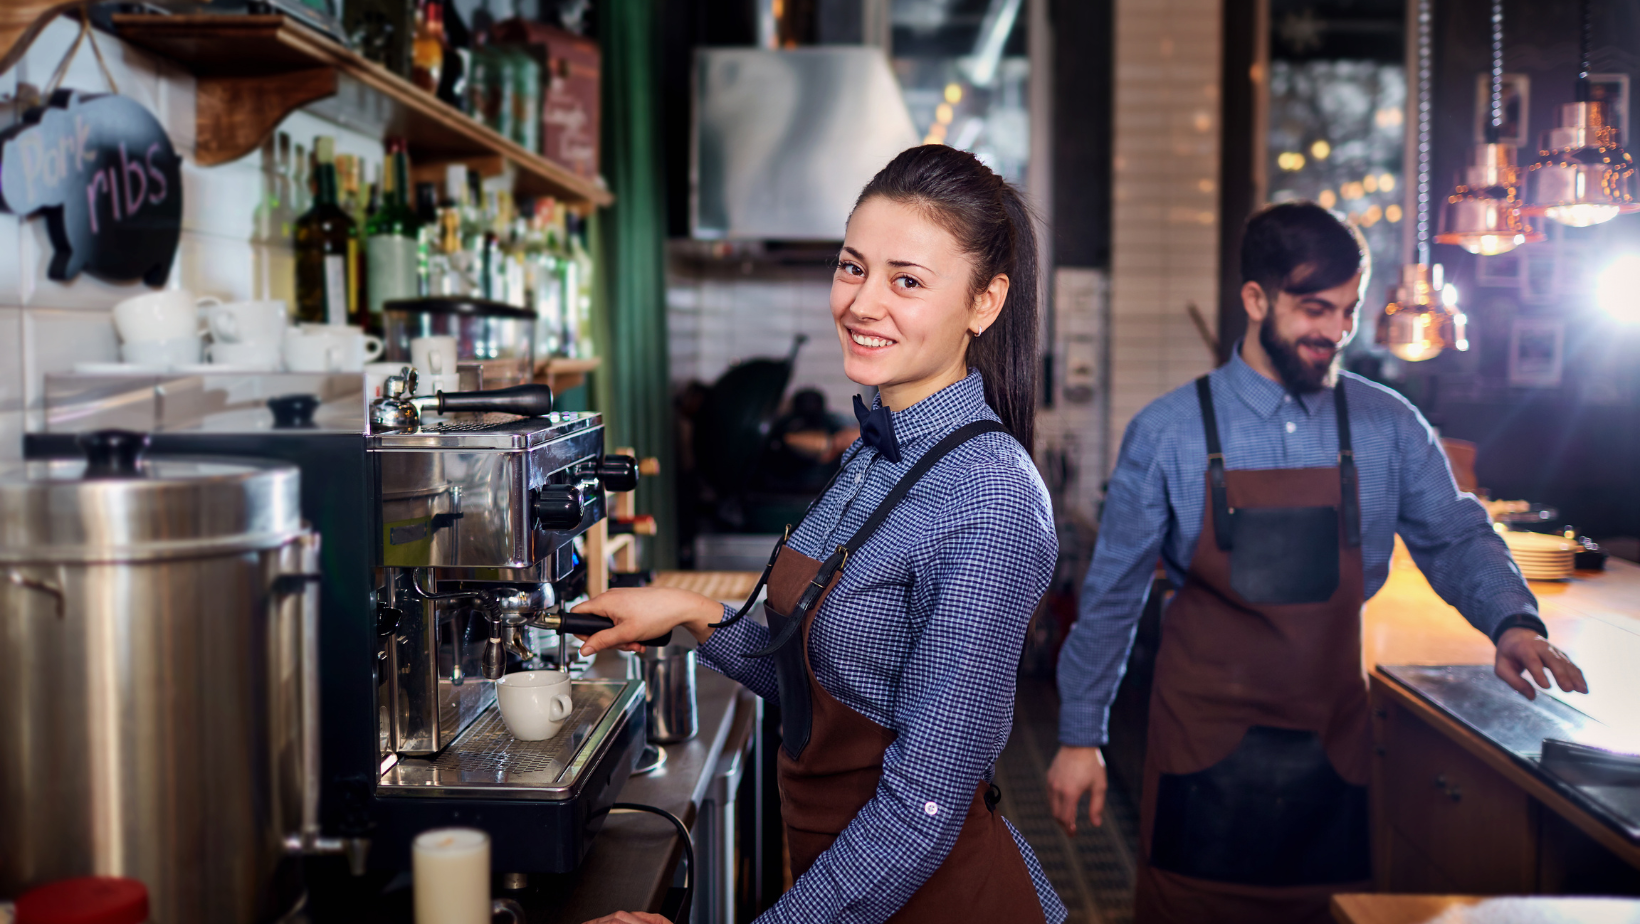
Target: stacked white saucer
[[1542, 557]]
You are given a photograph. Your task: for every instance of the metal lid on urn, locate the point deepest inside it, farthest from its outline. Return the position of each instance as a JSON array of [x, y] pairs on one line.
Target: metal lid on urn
[[118, 505]]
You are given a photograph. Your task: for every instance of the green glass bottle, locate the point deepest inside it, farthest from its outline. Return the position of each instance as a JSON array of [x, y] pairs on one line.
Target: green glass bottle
[[327, 249], [392, 238]]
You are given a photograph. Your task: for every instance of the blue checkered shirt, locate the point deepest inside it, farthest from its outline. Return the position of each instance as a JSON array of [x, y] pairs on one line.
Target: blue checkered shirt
[[921, 635], [1156, 495]]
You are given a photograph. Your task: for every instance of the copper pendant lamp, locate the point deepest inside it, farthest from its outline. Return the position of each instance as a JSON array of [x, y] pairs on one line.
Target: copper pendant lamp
[[1483, 214], [1582, 176], [1422, 319]]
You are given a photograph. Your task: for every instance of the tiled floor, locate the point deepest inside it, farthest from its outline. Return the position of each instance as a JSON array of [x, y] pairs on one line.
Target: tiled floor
[[1093, 872]]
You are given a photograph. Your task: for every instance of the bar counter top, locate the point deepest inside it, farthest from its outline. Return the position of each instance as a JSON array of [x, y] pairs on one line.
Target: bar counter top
[[1428, 659]]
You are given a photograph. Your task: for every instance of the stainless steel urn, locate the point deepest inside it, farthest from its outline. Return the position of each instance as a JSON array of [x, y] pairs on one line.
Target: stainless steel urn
[[157, 703]]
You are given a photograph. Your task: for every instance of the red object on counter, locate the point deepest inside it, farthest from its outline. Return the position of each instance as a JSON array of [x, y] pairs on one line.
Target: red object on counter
[[86, 900]]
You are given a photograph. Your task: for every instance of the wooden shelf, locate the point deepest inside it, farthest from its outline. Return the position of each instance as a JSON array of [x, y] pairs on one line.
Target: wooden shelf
[[252, 71], [561, 374]]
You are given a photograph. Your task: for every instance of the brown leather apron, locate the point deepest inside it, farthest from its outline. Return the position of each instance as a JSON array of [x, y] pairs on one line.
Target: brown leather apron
[[831, 757], [1255, 802]]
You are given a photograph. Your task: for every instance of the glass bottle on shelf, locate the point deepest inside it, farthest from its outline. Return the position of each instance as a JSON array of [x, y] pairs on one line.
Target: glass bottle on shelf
[[569, 281], [427, 237], [427, 48], [585, 347], [326, 250], [544, 279], [391, 238], [525, 127]]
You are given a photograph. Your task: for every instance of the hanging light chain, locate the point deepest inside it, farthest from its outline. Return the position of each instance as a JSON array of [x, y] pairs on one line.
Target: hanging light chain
[[1585, 42], [1497, 70], [1425, 54]]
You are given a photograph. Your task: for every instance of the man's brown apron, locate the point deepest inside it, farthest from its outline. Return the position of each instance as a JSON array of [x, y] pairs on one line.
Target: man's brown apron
[[1255, 802], [831, 757]]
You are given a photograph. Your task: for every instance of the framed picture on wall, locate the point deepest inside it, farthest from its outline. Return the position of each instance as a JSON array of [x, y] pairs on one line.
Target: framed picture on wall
[[1538, 274], [1536, 352], [1614, 90], [1501, 271], [1517, 97]]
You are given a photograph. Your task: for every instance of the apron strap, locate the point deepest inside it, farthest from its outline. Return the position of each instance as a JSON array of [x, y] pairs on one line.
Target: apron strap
[[1215, 465], [838, 558], [1349, 497]]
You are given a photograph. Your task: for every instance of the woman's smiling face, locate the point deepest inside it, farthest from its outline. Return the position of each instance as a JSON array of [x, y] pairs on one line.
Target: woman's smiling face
[[903, 301]]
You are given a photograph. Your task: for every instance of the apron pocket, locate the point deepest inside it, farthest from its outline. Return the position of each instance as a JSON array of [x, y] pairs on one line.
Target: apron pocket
[[1284, 554], [1273, 813]]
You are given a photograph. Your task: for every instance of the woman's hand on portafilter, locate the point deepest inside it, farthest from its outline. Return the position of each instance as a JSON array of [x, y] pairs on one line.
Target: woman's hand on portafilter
[[648, 612], [631, 917]]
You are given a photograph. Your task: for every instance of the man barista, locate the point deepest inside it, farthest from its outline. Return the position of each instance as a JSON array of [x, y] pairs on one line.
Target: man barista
[[1272, 490]]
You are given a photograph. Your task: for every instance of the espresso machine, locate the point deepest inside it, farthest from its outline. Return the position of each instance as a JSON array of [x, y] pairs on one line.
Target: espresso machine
[[453, 529], [478, 549]]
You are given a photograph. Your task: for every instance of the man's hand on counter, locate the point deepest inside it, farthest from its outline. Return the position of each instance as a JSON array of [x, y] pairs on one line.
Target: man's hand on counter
[[631, 917], [1521, 649], [648, 612]]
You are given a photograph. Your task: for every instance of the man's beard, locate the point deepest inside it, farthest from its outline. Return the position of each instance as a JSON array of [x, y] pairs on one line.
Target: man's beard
[[1299, 376]]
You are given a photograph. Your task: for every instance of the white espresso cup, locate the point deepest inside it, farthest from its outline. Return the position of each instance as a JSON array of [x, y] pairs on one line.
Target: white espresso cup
[[170, 314], [259, 356], [329, 348], [534, 704], [435, 362], [450, 873], [247, 322], [162, 354]]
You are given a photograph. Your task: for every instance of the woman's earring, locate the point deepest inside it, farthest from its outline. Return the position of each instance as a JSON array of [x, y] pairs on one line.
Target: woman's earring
[[975, 333]]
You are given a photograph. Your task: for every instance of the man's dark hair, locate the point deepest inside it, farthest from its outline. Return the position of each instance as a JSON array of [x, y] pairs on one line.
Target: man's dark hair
[[1300, 247]]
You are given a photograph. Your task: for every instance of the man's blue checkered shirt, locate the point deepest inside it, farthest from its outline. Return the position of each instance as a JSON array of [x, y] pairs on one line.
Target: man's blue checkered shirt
[[922, 635], [1154, 507]]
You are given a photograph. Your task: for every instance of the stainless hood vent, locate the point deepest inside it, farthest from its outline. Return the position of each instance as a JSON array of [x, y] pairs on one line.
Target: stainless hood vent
[[785, 140]]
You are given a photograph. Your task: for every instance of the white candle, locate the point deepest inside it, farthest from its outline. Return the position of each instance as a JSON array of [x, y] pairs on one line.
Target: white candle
[[451, 867]]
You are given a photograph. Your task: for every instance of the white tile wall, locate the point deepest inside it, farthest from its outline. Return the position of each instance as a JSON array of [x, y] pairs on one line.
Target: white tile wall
[[1165, 216], [233, 244]]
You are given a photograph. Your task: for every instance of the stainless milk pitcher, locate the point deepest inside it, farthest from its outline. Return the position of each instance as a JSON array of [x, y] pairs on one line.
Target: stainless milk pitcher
[[669, 684]]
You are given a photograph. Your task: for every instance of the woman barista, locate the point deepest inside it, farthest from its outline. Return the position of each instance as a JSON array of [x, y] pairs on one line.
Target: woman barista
[[897, 607]]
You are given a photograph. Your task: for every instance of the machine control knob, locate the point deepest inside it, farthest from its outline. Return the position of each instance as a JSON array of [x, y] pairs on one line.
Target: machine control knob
[[559, 506], [617, 473]]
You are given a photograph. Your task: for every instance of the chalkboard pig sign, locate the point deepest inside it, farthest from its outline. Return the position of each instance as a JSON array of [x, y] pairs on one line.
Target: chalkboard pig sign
[[101, 169]]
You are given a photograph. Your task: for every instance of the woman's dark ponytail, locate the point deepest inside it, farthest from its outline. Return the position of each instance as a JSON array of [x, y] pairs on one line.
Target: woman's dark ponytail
[[992, 223]]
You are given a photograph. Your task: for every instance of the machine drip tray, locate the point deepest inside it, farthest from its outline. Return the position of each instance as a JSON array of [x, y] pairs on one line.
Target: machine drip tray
[[487, 762]]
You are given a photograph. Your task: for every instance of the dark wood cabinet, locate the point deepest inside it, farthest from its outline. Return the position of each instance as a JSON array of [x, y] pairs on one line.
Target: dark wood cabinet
[[1451, 818]]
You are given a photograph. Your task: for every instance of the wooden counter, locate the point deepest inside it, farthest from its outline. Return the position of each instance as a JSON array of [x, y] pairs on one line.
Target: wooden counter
[[1456, 812]]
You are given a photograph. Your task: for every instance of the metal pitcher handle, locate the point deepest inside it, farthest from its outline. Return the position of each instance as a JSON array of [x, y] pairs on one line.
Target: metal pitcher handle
[[508, 907]]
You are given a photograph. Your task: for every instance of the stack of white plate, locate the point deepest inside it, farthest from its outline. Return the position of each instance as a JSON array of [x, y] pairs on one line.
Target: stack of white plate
[[1542, 557]]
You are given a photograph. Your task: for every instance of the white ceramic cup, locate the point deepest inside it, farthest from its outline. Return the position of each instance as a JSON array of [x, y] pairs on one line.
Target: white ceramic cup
[[261, 356], [247, 322], [162, 354], [434, 355], [329, 348], [534, 704], [170, 314]]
